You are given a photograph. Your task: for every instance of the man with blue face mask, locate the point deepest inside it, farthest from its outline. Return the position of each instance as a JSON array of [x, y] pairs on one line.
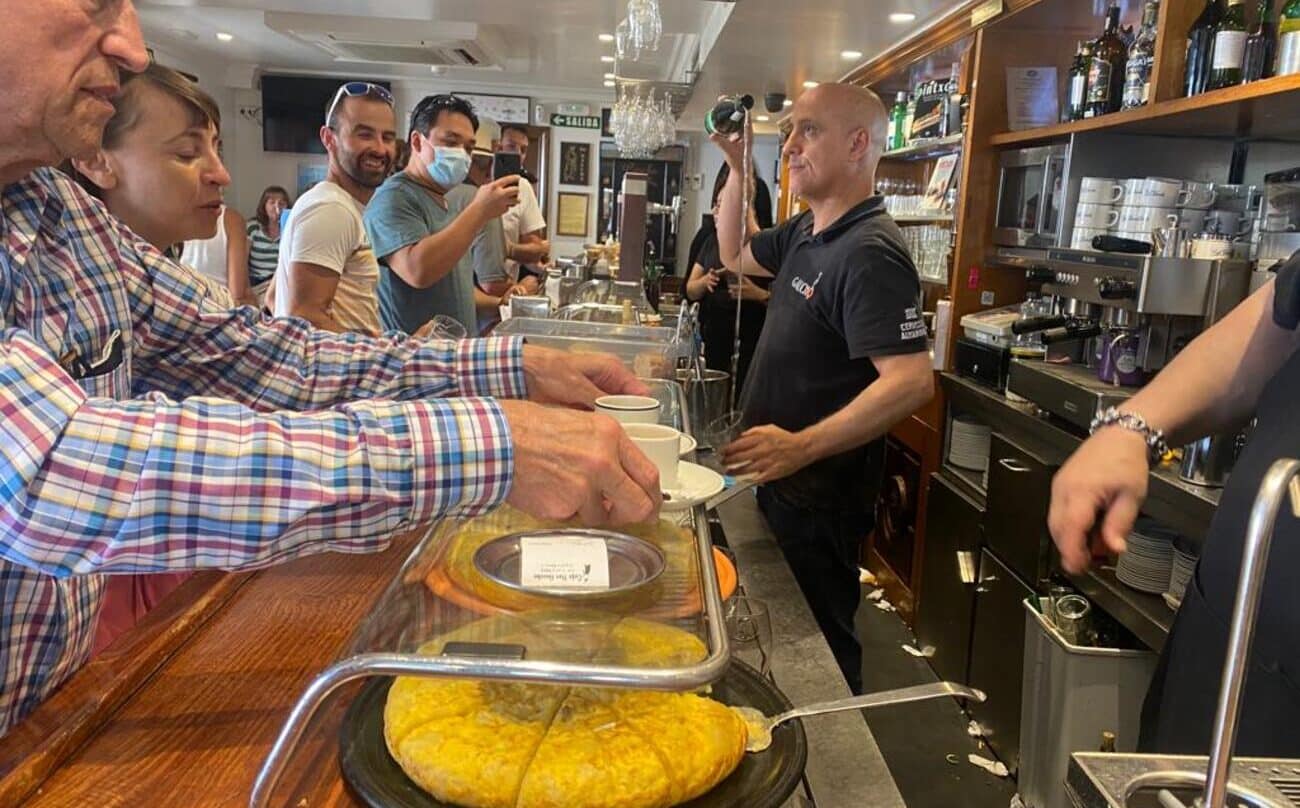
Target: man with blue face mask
[[421, 234]]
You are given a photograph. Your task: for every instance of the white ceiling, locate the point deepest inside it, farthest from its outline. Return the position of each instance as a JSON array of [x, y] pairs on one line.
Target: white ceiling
[[547, 48]]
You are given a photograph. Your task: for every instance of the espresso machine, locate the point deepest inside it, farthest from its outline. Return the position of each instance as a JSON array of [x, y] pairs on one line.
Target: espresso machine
[[1117, 318]]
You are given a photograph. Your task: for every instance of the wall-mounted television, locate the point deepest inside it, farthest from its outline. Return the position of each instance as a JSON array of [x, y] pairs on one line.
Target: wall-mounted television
[[293, 110]]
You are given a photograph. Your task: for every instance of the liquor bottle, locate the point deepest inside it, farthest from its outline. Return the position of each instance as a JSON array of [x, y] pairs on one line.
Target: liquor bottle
[[1137, 71], [1106, 70], [1288, 40], [908, 115], [1200, 48], [1229, 46], [1077, 101], [1261, 46], [952, 105], [896, 115]]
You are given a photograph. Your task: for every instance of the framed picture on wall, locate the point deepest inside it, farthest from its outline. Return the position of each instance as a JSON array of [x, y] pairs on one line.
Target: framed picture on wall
[[572, 214], [575, 163]]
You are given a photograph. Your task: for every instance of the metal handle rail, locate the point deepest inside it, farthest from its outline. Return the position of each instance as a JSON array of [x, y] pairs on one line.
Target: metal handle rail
[[1280, 480]]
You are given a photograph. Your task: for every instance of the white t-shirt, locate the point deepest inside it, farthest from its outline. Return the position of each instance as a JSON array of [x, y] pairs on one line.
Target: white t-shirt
[[524, 218], [325, 228], [208, 256]]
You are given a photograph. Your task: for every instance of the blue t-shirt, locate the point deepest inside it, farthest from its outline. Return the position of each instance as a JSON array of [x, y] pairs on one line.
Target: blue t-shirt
[[401, 213]]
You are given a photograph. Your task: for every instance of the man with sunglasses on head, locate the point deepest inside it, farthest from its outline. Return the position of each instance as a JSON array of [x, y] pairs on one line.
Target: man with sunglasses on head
[[146, 428], [422, 232], [327, 273]]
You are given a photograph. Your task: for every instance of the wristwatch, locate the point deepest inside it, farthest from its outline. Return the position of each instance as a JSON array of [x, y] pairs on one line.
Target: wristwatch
[[1157, 447]]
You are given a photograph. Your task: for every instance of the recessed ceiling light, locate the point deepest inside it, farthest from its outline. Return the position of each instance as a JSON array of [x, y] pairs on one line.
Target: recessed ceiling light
[[435, 69], [762, 119], [610, 76], [787, 103], [808, 85], [609, 60], [224, 37], [850, 54], [609, 83], [902, 16], [605, 37]]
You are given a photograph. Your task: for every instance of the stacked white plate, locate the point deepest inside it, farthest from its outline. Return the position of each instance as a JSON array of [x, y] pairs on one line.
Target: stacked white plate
[[968, 443], [1181, 571], [1148, 563]]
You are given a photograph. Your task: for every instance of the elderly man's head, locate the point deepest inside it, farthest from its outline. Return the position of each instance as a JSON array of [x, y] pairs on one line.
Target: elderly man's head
[[836, 139], [59, 66]]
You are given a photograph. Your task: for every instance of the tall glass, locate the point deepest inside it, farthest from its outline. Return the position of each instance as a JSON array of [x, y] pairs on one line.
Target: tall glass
[[749, 627]]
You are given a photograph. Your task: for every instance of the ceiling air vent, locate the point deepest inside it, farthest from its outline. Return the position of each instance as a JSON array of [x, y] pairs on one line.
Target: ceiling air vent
[[394, 41]]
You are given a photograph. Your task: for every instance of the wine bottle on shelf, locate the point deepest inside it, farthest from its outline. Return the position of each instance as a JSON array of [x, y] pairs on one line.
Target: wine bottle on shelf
[[1261, 46], [1106, 70], [1141, 56], [1288, 40], [1077, 101], [1200, 48], [896, 113], [1229, 46]]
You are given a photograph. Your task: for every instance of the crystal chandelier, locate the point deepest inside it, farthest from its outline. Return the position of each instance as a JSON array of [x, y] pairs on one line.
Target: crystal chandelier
[[640, 31], [642, 124]]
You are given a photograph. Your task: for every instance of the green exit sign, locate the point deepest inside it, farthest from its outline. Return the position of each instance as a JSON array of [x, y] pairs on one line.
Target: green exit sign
[[576, 121]]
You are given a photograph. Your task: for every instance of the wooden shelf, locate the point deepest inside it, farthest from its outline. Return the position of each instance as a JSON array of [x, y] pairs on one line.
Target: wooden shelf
[[927, 150], [922, 218], [1268, 109]]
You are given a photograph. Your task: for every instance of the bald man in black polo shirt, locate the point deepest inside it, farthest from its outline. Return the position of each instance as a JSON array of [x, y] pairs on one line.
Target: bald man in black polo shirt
[[842, 357]]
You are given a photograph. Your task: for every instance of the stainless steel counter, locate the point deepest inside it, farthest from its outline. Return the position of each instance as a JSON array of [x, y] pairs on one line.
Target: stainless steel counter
[[845, 767]]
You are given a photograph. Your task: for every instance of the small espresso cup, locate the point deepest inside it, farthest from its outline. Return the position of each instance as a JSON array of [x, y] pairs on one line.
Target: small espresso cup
[[1191, 219], [1100, 191], [1094, 215], [1154, 192], [662, 444], [1196, 195], [630, 409]]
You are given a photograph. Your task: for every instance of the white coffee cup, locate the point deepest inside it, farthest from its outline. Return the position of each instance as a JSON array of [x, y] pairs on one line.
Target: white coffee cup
[[1227, 222], [1191, 219], [1082, 237], [1097, 216], [662, 444], [1153, 192], [1100, 191], [630, 409], [1197, 195], [1145, 219]]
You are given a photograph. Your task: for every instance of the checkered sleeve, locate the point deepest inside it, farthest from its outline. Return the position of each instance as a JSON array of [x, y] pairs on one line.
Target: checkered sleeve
[[150, 484], [187, 343]]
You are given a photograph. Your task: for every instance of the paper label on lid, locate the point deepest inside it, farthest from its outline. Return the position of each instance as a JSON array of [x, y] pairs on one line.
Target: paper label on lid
[[576, 562]]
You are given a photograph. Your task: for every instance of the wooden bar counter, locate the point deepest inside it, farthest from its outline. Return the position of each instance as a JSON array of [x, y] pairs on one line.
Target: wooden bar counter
[[182, 709]]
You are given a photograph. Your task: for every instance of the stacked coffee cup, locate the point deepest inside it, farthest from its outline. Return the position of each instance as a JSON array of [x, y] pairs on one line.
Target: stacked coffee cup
[[1134, 208]]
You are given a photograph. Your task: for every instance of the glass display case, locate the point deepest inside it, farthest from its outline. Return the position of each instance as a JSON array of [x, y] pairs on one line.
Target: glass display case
[[463, 610], [650, 352]]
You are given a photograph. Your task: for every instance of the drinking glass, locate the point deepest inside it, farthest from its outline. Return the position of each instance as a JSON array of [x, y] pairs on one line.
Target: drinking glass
[[724, 429], [749, 627], [445, 327]]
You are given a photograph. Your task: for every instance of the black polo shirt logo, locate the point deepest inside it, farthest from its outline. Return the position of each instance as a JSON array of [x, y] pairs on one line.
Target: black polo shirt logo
[[804, 288]]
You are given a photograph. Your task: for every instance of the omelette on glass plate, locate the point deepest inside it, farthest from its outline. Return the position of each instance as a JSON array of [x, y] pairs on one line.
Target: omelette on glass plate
[[490, 745]]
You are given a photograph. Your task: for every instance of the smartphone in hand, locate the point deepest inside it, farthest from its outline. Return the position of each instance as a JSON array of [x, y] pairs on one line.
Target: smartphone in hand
[[506, 164]]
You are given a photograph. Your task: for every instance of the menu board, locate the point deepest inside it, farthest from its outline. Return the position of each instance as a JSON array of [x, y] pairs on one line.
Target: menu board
[[501, 108]]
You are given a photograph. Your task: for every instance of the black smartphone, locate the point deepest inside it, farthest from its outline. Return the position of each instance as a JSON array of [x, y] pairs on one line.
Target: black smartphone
[[506, 164]]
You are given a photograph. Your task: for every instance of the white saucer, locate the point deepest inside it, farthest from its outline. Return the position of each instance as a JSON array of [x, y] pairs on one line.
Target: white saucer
[[688, 445], [695, 484]]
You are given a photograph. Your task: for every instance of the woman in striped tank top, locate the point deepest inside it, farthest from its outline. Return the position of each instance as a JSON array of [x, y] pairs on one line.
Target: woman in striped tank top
[[264, 238]]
